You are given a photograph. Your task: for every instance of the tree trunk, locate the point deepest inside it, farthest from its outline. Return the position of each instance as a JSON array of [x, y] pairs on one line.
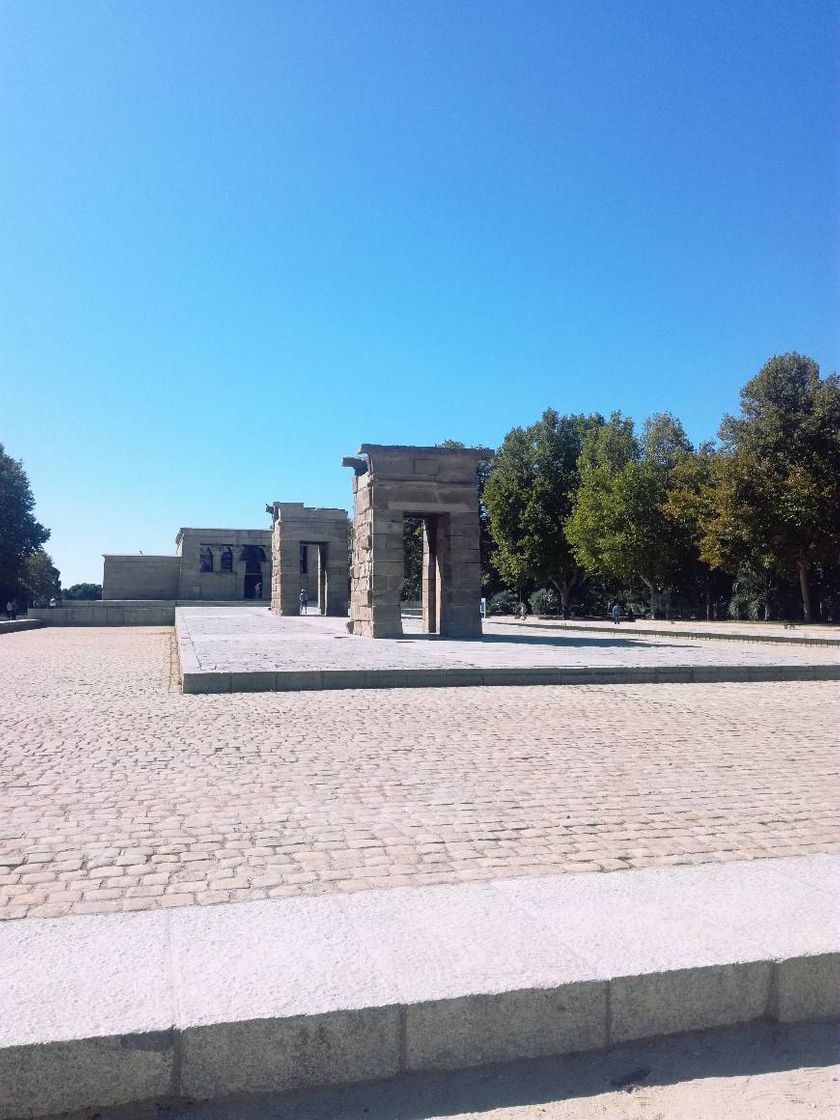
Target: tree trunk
[[564, 590], [802, 565], [652, 592]]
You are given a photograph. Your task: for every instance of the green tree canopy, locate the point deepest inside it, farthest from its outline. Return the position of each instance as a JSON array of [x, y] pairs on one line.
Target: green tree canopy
[[83, 591], [618, 528], [20, 533], [771, 497], [41, 579], [529, 494]]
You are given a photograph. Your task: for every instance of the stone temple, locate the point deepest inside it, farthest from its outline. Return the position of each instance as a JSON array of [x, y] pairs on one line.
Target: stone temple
[[233, 565]]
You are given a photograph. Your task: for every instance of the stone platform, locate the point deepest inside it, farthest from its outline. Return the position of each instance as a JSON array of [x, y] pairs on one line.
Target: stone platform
[[247, 649], [13, 625], [207, 1003]]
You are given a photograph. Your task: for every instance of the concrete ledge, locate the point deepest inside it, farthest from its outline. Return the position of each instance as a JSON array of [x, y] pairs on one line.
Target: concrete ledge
[[196, 680], [206, 1002], [12, 625]]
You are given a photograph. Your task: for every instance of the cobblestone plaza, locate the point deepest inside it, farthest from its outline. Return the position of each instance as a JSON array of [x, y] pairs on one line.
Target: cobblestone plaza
[[119, 793]]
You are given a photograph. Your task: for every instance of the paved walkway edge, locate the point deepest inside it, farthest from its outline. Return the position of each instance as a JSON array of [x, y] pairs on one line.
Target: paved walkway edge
[[195, 680], [208, 1002], [11, 626]]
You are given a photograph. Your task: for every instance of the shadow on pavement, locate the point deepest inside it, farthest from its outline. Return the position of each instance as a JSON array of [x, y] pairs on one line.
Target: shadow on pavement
[[615, 1076]]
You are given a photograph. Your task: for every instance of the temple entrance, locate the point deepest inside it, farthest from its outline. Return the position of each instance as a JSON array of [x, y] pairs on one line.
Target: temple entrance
[[253, 580], [314, 574]]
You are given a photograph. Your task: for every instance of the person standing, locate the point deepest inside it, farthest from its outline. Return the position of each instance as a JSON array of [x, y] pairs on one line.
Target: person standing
[[616, 612], [304, 600]]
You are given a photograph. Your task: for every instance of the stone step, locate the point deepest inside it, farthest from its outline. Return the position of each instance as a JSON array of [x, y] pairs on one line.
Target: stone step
[[196, 680], [211, 1002]]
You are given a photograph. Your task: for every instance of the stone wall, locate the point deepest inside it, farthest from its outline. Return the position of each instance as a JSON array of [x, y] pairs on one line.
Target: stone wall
[[218, 584], [140, 577]]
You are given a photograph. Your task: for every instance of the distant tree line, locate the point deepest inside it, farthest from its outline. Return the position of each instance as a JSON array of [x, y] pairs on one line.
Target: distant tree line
[[583, 510], [579, 511]]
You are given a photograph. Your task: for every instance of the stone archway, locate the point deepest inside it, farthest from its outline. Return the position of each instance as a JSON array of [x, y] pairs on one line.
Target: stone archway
[[438, 485]]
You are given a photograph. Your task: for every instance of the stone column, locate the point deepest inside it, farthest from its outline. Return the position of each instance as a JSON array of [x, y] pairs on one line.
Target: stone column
[[430, 576], [322, 578], [285, 577], [461, 577]]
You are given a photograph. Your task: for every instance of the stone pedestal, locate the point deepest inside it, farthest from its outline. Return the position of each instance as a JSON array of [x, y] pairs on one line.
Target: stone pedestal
[[439, 486]]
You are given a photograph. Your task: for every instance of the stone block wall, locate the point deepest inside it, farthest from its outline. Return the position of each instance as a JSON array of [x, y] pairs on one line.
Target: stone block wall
[[140, 577], [218, 585]]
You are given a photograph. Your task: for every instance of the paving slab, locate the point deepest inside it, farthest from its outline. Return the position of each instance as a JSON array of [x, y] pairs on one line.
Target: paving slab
[[824, 634], [223, 649], [288, 994]]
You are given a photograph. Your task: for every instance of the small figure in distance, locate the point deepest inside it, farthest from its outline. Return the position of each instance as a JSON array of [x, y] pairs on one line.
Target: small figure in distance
[[304, 600], [616, 612], [53, 602], [10, 609], [258, 590]]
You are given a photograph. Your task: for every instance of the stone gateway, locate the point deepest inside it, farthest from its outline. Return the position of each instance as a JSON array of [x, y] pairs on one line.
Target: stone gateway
[[310, 552], [437, 485]]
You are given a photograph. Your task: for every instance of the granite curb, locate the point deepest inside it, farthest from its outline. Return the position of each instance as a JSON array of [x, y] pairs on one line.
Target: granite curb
[[643, 631], [13, 625], [195, 680], [209, 1002]]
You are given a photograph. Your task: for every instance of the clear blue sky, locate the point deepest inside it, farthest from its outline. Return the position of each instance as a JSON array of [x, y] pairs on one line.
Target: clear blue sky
[[239, 238]]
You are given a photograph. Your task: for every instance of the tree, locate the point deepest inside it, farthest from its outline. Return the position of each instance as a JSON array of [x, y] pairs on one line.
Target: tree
[[689, 485], [773, 498], [618, 528], [20, 533], [529, 494], [41, 579], [83, 591]]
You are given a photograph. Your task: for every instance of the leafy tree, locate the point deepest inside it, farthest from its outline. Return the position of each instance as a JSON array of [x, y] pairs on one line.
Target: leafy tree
[[701, 585], [83, 591], [20, 533], [619, 528], [772, 500], [41, 579], [529, 494]]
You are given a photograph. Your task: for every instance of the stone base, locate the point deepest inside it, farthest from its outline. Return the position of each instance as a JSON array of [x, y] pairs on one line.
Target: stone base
[[213, 1001]]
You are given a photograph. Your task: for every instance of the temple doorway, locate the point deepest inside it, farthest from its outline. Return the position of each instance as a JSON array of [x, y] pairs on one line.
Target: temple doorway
[[253, 580]]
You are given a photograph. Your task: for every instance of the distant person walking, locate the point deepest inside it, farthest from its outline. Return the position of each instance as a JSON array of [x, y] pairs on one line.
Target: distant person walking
[[304, 600], [258, 591], [616, 613], [10, 609]]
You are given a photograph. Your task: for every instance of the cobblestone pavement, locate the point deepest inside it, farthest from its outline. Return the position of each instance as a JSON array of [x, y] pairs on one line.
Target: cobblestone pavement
[[249, 639], [117, 792]]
